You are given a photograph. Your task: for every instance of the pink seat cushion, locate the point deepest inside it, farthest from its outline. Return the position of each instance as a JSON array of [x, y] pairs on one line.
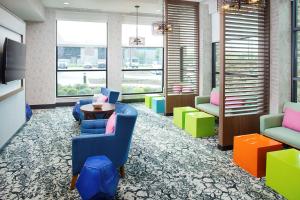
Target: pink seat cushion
[[104, 98], [110, 126], [234, 102], [214, 98], [291, 119]]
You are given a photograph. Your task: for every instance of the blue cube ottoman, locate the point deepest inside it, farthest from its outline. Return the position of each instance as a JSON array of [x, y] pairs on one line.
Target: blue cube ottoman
[[158, 104], [98, 179]]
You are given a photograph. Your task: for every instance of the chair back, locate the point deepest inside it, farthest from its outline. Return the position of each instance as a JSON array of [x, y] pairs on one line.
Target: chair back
[[125, 123], [292, 105], [112, 95]]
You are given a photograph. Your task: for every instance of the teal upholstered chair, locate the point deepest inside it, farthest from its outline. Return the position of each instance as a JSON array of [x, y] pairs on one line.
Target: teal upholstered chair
[[271, 126], [203, 103]]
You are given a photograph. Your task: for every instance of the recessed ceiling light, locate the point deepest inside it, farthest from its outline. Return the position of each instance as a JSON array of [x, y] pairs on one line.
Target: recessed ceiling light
[[158, 10], [66, 3]]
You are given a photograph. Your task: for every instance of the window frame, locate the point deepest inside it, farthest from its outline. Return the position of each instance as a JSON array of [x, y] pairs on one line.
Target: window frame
[[141, 70], [294, 75], [83, 70], [214, 73]]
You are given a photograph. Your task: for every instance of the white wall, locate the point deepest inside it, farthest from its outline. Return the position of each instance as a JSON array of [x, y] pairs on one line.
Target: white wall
[[41, 60], [12, 109], [41, 56]]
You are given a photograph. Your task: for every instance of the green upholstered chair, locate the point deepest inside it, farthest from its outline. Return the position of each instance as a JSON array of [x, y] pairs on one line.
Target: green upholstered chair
[[203, 103], [200, 124], [179, 115], [283, 173], [148, 99], [271, 126]]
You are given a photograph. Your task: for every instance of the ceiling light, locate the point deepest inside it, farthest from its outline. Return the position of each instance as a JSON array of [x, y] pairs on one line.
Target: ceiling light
[[66, 3]]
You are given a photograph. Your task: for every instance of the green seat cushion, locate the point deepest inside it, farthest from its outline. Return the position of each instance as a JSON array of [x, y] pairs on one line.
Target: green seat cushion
[[284, 135], [209, 108]]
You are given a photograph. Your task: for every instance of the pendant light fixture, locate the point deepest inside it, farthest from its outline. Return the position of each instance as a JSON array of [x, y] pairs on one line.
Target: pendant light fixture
[[137, 41], [162, 26], [236, 5]]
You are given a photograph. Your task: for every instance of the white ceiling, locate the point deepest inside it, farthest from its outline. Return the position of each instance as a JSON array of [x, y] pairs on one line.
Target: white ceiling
[[30, 10], [120, 6]]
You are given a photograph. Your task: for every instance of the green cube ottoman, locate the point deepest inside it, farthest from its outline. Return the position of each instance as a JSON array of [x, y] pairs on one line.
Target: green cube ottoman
[[283, 173], [148, 99], [200, 124], [179, 115]]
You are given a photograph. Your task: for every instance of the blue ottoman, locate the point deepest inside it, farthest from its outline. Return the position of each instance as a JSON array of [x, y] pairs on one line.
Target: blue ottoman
[[158, 104], [98, 179]]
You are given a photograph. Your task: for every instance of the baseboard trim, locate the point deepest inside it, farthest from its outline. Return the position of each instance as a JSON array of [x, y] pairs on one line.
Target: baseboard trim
[[9, 140], [43, 106], [225, 148], [132, 100], [64, 104]]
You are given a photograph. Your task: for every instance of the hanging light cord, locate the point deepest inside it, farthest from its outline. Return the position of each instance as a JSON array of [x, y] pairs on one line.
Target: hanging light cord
[[137, 24]]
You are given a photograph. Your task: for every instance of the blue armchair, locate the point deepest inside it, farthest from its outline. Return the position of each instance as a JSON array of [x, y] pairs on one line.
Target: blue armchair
[[112, 98], [92, 140]]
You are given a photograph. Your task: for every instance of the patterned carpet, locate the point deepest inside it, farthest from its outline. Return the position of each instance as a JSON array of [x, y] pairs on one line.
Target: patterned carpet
[[164, 163]]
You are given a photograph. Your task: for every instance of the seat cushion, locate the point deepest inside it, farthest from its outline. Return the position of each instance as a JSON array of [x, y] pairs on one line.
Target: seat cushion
[[284, 135], [110, 126], [209, 108], [214, 98], [291, 119]]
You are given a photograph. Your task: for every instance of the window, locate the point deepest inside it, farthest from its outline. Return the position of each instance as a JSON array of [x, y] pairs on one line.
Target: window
[[296, 52], [81, 58], [142, 66], [215, 64]]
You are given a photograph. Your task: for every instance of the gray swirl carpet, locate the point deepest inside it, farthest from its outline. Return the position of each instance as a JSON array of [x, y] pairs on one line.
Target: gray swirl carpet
[[164, 163]]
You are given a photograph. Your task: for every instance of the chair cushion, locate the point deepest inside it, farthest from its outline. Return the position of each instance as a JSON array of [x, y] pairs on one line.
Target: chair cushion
[[104, 98], [284, 135], [209, 108], [215, 98], [110, 126], [291, 119]]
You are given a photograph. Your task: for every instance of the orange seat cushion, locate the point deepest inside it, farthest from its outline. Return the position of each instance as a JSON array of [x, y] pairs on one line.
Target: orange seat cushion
[[250, 151]]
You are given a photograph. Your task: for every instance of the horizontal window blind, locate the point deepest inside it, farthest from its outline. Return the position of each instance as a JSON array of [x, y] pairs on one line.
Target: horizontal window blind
[[246, 59], [182, 56]]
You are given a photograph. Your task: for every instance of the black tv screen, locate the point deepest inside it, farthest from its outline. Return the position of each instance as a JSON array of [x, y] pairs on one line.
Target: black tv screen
[[13, 61]]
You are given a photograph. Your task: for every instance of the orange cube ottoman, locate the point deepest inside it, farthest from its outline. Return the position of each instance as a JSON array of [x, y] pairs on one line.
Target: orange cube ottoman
[[250, 152]]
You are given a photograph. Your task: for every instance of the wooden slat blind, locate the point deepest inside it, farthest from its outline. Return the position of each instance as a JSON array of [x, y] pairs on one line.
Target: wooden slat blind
[[182, 56], [246, 61]]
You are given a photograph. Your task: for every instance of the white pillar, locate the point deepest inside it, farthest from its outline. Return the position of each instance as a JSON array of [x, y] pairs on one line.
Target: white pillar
[[280, 54], [205, 51], [114, 54]]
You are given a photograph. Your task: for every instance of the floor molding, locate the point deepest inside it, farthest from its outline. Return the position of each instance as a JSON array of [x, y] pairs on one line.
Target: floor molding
[[9, 140]]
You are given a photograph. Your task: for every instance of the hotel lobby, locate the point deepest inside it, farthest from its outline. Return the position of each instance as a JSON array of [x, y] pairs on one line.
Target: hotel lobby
[[149, 99]]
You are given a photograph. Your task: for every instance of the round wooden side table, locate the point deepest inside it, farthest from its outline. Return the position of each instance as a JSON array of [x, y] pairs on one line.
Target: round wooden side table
[[91, 113]]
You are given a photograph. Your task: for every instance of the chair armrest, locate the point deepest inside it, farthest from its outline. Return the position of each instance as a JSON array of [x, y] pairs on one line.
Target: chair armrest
[[85, 101], [270, 121], [201, 100], [85, 146], [94, 124]]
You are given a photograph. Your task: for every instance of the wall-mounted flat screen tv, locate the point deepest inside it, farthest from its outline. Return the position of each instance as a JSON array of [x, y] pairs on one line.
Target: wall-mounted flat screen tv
[[13, 61]]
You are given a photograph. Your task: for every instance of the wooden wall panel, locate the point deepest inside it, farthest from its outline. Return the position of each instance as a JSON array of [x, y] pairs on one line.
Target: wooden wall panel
[[245, 65], [181, 54]]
